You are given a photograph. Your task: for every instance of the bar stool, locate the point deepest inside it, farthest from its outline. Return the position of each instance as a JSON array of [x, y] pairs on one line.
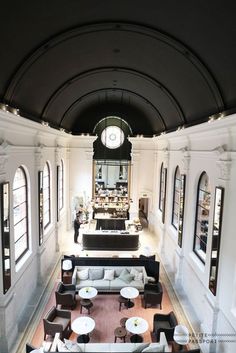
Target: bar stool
[[123, 321], [85, 303], [122, 300], [120, 332]]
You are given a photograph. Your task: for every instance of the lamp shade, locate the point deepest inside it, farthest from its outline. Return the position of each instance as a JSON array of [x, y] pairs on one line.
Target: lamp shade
[[67, 265], [181, 335]]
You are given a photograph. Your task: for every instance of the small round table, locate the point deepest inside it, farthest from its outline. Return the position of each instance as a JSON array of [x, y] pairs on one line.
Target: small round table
[[137, 326], [83, 325], [88, 292], [129, 293]]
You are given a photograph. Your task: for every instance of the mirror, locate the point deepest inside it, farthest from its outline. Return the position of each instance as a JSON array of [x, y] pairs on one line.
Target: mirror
[[111, 176], [40, 201], [5, 225], [215, 245]]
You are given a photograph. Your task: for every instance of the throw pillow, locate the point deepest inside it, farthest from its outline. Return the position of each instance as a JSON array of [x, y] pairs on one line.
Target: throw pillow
[[109, 275], [126, 276], [83, 274], [38, 350], [154, 347], [96, 273], [61, 347], [140, 347], [138, 276], [72, 346]]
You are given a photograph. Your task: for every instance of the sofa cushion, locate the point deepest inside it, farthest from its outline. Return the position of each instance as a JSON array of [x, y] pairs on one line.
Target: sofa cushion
[[97, 347], [96, 273], [61, 321], [83, 274], [71, 346], [117, 284], [138, 275], [101, 284], [154, 347], [86, 283], [137, 284], [139, 347], [122, 347], [109, 275]]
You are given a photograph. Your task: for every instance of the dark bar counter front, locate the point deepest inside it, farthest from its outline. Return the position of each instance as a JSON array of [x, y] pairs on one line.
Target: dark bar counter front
[[110, 240]]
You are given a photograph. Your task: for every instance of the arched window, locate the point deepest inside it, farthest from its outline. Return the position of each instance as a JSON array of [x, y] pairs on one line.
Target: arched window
[[162, 193], [176, 199], [20, 214], [46, 196], [202, 217], [61, 186]]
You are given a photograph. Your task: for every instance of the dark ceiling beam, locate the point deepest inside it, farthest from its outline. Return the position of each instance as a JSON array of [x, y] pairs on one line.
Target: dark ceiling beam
[[110, 89], [127, 27], [132, 72]]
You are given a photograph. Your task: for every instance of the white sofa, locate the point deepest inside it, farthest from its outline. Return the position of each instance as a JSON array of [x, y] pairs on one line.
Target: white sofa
[[161, 346], [106, 285]]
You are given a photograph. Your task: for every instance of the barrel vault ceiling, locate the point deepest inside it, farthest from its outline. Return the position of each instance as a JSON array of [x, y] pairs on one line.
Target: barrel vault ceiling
[[159, 65]]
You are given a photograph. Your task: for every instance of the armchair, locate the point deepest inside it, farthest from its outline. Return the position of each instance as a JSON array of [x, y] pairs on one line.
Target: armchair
[[164, 323], [57, 321], [153, 294], [66, 295]]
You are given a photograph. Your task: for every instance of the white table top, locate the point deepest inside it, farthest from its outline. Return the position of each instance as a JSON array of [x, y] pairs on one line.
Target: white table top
[[136, 325], [88, 292], [83, 325], [129, 292]]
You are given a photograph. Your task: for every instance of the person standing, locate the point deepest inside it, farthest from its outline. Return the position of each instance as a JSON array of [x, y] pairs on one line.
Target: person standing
[[77, 223]]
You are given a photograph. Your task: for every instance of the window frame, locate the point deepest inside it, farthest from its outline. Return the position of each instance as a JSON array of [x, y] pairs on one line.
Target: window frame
[[174, 202], [49, 195], [197, 219], [26, 216], [162, 191]]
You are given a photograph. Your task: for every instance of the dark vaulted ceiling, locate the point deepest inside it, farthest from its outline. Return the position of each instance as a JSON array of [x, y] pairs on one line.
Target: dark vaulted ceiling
[[156, 64]]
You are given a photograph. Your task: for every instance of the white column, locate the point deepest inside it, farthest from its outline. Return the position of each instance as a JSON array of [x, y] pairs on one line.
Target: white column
[[135, 175]]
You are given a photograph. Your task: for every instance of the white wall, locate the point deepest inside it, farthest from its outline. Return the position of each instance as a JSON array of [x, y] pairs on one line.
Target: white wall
[[211, 148]]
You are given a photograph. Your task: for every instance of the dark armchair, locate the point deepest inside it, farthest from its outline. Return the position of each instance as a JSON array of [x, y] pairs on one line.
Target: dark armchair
[[153, 294], [66, 295], [164, 323], [57, 321]]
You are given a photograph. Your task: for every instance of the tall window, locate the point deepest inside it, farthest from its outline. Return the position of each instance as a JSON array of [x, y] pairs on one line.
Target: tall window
[[46, 196], [176, 198], [61, 185], [20, 214], [202, 217], [178, 204], [162, 194]]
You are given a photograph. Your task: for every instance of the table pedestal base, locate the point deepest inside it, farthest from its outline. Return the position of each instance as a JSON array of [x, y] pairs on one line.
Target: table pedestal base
[[130, 304], [83, 339], [136, 339]]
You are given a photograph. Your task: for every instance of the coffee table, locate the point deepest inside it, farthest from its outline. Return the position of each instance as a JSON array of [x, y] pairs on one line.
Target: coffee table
[[136, 325], [83, 325], [129, 293], [88, 292]]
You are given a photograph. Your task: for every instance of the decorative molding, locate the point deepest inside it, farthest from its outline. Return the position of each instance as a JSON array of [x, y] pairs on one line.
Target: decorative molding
[[4, 149], [135, 156], [166, 157], [224, 168], [58, 152], [39, 157], [89, 154], [185, 160]]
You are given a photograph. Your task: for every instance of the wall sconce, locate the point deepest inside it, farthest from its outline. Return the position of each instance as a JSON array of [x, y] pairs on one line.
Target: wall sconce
[[211, 119]]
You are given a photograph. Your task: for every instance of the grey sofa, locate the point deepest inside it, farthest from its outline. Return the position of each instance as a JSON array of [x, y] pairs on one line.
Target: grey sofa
[[105, 285]]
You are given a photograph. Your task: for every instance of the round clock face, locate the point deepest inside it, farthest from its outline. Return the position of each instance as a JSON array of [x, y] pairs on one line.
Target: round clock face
[[112, 137]]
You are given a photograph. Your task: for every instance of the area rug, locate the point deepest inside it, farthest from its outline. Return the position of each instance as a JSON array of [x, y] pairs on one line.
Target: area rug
[[105, 312]]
